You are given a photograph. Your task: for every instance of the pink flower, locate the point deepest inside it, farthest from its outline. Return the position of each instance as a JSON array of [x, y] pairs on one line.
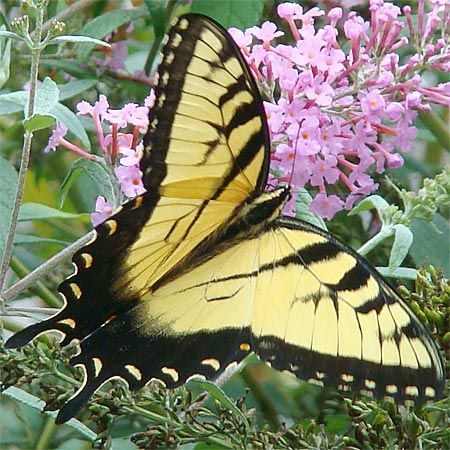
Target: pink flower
[[288, 79], [139, 118], [266, 33], [373, 103], [115, 57], [55, 139], [331, 61], [122, 140], [103, 210], [290, 11], [132, 156], [130, 179], [309, 50], [243, 40], [99, 107], [324, 169], [275, 116], [326, 206], [150, 99], [320, 91], [353, 28], [334, 14], [308, 17]]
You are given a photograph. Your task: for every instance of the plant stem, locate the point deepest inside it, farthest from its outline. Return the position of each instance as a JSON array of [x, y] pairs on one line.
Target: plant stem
[[35, 55], [46, 434], [54, 261], [437, 126], [383, 234], [44, 311], [40, 290]]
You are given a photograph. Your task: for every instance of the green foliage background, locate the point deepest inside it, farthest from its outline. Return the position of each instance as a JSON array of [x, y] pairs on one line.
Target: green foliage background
[[261, 408]]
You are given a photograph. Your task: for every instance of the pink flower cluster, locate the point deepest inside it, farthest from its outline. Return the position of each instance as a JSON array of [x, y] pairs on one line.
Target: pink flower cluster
[[340, 106], [121, 147]]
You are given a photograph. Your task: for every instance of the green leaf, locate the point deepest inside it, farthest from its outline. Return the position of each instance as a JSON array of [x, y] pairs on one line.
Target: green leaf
[[302, 210], [374, 201], [337, 423], [38, 211], [10, 34], [402, 243], [5, 59], [69, 90], [33, 402], [401, 272], [20, 239], [13, 102], [71, 120], [231, 13], [98, 173], [84, 39], [105, 24], [8, 185], [158, 16], [47, 97], [216, 393], [38, 122], [430, 244]]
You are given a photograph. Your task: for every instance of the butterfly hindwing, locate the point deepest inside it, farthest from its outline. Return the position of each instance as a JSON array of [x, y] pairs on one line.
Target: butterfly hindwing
[[293, 294], [340, 323]]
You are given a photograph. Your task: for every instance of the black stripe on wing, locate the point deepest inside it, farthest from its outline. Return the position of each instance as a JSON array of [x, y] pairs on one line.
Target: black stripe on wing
[[138, 359], [177, 54], [92, 294], [387, 328]]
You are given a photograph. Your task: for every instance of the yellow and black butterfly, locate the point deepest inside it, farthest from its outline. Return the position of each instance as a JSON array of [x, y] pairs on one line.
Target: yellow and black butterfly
[[203, 269]]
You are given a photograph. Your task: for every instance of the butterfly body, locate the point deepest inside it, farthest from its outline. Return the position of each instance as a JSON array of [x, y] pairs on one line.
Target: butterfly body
[[203, 269]]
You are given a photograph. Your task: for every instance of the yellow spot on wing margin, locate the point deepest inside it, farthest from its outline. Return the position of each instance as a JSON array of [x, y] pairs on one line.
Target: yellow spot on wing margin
[[76, 291], [98, 365], [183, 24], [212, 362], [172, 373], [69, 322], [370, 383], [87, 258], [391, 389], [346, 377], [412, 390], [245, 347], [196, 376], [134, 371], [111, 225], [430, 392]]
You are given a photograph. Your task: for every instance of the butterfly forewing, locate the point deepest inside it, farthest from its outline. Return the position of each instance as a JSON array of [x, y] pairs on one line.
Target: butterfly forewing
[[206, 152], [208, 136]]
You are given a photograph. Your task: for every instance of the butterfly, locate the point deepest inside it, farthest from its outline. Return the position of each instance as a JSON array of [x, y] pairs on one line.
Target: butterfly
[[203, 269]]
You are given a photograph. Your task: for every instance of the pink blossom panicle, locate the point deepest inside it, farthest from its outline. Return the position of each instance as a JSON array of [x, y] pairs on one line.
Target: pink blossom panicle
[[344, 102]]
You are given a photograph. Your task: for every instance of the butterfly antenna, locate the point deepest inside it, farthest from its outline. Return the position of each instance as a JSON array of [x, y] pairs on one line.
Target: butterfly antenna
[[294, 159]]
